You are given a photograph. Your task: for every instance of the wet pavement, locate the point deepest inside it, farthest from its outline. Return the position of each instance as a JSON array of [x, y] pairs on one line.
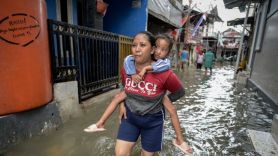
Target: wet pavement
[[215, 114]]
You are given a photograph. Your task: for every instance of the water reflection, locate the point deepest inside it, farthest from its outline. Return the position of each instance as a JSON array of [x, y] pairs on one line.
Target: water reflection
[[214, 115]]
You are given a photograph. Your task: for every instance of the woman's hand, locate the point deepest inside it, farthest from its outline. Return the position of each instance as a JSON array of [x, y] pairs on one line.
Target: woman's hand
[[122, 112]]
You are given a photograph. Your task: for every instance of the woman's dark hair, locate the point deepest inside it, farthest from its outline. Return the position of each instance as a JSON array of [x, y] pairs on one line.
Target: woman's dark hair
[[149, 35], [167, 38]]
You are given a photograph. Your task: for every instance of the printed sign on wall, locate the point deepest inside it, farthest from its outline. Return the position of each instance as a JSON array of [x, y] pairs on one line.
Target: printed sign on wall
[[19, 29]]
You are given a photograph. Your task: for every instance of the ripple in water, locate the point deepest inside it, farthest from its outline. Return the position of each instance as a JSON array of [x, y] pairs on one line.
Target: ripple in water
[[215, 115]]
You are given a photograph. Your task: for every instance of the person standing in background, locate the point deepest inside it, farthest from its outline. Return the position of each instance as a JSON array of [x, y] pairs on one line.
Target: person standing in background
[[209, 60], [199, 60], [183, 57]]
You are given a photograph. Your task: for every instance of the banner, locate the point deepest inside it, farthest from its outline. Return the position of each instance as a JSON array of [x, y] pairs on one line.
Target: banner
[[198, 24], [184, 19]]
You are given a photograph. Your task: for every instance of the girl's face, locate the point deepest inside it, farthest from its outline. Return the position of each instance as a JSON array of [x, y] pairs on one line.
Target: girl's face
[[162, 49], [141, 49]]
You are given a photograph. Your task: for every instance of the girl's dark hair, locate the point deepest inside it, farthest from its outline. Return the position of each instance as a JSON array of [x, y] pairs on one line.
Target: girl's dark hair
[[167, 38], [149, 35]]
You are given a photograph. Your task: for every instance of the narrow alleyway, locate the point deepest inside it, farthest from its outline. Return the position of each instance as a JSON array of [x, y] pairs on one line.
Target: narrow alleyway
[[215, 114]]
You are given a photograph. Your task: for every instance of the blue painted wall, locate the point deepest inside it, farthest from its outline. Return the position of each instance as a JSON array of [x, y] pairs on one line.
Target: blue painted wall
[[51, 9], [74, 10], [122, 19], [52, 14]]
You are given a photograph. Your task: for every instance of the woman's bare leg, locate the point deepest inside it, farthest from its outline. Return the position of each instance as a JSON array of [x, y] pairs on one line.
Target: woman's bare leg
[[123, 148], [145, 153]]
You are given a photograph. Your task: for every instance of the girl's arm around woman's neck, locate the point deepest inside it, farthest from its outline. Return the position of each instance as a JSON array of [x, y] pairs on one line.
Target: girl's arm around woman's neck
[[139, 67]]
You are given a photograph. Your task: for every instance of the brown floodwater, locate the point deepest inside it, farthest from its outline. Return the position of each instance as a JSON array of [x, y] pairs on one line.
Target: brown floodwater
[[214, 114]]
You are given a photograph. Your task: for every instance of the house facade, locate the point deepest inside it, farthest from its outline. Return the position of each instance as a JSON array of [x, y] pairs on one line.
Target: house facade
[[262, 61]]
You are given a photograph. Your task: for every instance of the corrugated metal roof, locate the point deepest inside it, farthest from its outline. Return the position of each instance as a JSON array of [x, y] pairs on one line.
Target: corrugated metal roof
[[239, 21], [237, 3]]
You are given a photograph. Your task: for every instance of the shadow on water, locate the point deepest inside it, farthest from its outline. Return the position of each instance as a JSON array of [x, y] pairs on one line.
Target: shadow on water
[[214, 113]]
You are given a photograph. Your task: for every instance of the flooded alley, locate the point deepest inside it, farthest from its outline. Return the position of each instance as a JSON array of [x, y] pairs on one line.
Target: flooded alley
[[214, 114], [61, 64]]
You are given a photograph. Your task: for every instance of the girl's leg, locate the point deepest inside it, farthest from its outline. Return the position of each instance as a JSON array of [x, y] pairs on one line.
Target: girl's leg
[[110, 108], [174, 118], [176, 124]]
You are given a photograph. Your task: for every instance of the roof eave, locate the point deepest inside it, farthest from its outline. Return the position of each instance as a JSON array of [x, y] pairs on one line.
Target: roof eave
[[229, 4]]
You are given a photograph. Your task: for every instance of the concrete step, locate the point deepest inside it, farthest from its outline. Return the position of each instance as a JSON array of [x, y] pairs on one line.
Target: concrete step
[[274, 128], [265, 143]]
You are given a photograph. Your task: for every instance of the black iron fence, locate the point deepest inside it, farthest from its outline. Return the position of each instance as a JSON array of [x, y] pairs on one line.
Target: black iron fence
[[87, 55]]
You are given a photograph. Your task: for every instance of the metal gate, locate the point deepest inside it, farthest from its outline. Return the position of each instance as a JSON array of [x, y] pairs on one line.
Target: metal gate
[[84, 54]]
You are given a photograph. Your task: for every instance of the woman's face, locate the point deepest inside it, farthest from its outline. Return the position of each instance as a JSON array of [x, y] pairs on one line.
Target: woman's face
[[141, 49]]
